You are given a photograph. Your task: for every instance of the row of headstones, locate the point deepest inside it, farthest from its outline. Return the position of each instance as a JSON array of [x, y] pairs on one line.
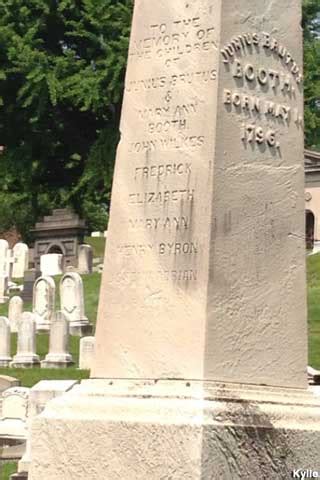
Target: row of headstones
[[44, 293], [26, 356], [15, 262]]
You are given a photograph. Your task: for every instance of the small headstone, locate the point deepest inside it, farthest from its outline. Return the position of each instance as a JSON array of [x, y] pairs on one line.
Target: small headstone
[[5, 357], [13, 423], [72, 304], [21, 257], [58, 356], [30, 278], [15, 312], [85, 259], [51, 264], [15, 403], [96, 234], [44, 291], [86, 353], [26, 355]]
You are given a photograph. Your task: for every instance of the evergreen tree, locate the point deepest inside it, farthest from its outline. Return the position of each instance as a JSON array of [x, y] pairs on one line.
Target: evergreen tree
[[62, 69]]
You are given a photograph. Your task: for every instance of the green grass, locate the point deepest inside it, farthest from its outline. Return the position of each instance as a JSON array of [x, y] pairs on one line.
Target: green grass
[[313, 273], [7, 469], [98, 244], [31, 376]]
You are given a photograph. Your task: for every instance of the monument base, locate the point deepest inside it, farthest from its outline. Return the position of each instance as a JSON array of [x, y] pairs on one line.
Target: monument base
[[25, 361], [80, 329], [57, 361], [5, 362], [175, 430]]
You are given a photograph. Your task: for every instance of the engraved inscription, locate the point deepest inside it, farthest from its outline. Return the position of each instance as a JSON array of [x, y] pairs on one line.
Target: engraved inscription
[[253, 82]]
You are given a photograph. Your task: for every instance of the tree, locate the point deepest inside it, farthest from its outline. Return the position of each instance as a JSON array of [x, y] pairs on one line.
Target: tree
[[311, 28], [62, 69], [62, 66]]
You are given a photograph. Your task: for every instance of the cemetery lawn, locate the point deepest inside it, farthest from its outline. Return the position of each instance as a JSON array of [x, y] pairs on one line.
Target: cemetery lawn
[[31, 376], [7, 469], [313, 273]]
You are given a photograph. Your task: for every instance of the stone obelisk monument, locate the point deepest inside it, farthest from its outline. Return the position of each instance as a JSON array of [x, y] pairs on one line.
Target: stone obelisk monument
[[201, 342]]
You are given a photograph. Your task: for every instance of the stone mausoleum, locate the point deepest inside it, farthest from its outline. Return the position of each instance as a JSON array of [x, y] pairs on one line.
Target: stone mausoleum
[[62, 232]]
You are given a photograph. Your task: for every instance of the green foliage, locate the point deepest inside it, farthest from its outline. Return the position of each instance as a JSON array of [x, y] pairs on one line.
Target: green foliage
[[311, 27], [313, 271], [62, 69], [62, 66], [7, 469]]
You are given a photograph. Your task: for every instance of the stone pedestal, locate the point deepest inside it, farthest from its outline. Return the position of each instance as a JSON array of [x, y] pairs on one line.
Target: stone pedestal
[[177, 430]]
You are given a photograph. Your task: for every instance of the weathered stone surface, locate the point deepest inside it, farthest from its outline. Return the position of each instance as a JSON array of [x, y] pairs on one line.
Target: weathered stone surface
[[59, 355], [8, 382], [44, 292], [85, 259], [5, 355], [86, 355], [21, 260], [206, 171], [204, 274], [51, 264], [26, 352], [72, 303], [14, 312], [40, 395], [178, 430]]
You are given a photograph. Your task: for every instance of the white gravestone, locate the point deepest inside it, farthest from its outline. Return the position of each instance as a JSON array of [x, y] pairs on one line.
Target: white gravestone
[[44, 292], [4, 254], [26, 353], [21, 260], [85, 259], [14, 413], [15, 312], [5, 357], [72, 303], [51, 264], [58, 356], [86, 353]]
